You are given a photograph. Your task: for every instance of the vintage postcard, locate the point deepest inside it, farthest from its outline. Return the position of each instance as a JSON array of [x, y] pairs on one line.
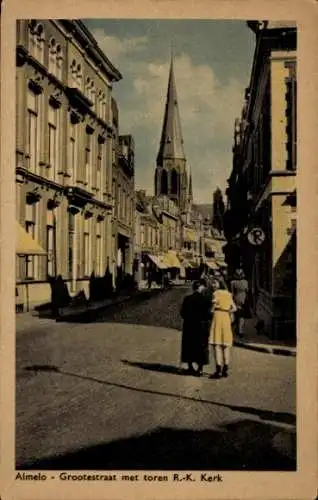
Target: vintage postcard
[[158, 275]]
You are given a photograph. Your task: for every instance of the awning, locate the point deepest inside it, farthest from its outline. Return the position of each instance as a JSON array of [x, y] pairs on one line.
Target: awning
[[215, 246], [221, 263], [158, 260], [212, 264], [172, 260], [189, 235], [186, 263], [26, 245]]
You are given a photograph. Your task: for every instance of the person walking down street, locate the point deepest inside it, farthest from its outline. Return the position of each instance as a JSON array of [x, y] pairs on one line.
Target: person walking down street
[[239, 289], [196, 315], [150, 279], [221, 335]]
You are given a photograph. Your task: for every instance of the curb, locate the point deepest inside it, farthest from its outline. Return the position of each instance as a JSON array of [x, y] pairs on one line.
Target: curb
[[281, 351], [141, 295]]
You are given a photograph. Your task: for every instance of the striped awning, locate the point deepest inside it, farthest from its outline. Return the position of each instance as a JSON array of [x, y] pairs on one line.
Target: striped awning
[[221, 263], [211, 264], [158, 260], [26, 245], [189, 235], [172, 260]]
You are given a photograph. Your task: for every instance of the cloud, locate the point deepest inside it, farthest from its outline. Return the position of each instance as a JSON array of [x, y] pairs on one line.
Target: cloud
[[116, 48], [207, 108]]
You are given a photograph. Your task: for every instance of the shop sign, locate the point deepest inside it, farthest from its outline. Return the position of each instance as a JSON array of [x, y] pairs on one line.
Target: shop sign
[[256, 236]]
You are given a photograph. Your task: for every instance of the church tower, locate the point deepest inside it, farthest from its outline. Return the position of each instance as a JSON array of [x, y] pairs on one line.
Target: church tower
[[171, 177]]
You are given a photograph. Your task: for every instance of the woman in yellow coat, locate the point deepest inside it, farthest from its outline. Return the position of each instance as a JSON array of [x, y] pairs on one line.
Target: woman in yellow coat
[[221, 335]]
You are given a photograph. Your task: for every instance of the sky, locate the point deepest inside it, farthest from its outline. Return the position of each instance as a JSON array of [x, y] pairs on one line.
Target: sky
[[212, 62]]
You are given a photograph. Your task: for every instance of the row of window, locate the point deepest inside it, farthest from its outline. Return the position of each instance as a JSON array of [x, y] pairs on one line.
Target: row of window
[[191, 246], [260, 152], [94, 150], [164, 184], [125, 208], [96, 96], [154, 237], [56, 59], [90, 261], [149, 236]]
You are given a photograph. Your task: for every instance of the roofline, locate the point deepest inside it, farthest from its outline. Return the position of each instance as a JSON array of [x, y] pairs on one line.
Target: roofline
[[87, 40]]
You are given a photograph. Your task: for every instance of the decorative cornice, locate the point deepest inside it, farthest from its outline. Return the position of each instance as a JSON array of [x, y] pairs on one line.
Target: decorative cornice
[[75, 116], [56, 99], [21, 55], [33, 196], [90, 129], [30, 176], [78, 101], [36, 85], [282, 173]]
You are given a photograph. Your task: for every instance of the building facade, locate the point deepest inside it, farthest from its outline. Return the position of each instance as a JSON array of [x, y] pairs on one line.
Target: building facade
[[64, 166], [147, 237], [262, 185], [123, 182]]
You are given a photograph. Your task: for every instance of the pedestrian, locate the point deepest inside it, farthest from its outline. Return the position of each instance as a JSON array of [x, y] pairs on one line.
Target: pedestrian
[[150, 278], [221, 335], [196, 314], [239, 290]]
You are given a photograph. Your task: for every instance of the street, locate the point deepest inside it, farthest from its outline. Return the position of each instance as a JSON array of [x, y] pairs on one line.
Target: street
[[108, 394]]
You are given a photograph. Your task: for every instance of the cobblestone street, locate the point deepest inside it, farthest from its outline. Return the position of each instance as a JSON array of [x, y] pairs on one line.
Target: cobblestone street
[[109, 395]]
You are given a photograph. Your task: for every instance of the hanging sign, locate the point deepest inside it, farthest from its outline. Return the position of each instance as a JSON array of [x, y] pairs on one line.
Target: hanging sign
[[256, 236]]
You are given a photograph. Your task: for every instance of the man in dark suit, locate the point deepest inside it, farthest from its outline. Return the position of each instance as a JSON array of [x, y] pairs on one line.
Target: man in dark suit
[[196, 314]]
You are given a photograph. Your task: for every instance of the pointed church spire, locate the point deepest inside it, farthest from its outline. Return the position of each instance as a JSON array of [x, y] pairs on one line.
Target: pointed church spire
[[171, 143]]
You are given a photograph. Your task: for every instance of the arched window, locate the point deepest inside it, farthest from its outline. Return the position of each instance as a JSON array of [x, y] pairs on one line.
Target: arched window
[[59, 62], [79, 76], [73, 73], [104, 108], [87, 87], [93, 94], [164, 182], [174, 182], [52, 57], [36, 40], [99, 103], [76, 75]]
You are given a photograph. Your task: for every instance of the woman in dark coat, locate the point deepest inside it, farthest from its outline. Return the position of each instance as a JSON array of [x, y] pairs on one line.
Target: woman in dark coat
[[196, 314]]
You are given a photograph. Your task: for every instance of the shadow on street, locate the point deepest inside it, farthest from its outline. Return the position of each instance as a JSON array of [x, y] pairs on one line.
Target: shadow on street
[[160, 309], [279, 417], [242, 445], [157, 367]]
